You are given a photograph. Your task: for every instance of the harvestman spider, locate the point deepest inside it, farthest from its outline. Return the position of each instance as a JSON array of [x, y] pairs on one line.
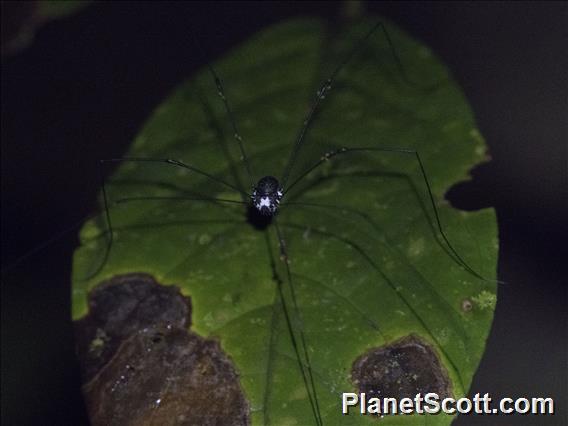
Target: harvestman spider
[[268, 196]]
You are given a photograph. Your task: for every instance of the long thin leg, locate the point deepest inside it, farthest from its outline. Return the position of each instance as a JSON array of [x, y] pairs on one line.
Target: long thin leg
[[236, 134], [47, 243], [373, 324], [81, 222], [343, 209], [278, 281], [408, 151], [143, 160], [365, 217], [175, 198], [290, 199], [307, 375], [358, 249], [326, 87], [174, 163], [214, 124], [110, 231], [230, 115]]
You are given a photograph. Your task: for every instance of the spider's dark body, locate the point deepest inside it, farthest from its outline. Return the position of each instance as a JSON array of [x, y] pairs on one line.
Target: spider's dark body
[[266, 195]]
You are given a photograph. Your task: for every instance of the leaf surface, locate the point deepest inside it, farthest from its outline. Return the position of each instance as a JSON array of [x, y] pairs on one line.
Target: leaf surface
[[367, 270]]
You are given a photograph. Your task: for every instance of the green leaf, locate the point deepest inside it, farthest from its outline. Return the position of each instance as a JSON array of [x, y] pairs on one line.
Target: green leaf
[[368, 272]]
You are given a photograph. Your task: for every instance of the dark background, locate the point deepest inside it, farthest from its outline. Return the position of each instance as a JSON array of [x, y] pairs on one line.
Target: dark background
[[87, 83]]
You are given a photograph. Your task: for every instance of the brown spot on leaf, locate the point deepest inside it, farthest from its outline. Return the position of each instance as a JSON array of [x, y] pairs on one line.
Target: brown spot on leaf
[[143, 367], [401, 369], [121, 307]]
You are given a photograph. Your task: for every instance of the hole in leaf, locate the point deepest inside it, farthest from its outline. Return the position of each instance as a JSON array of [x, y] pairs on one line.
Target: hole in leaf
[[474, 194]]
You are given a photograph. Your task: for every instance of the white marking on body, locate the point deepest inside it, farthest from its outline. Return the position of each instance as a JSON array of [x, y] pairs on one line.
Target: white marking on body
[[264, 202]]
